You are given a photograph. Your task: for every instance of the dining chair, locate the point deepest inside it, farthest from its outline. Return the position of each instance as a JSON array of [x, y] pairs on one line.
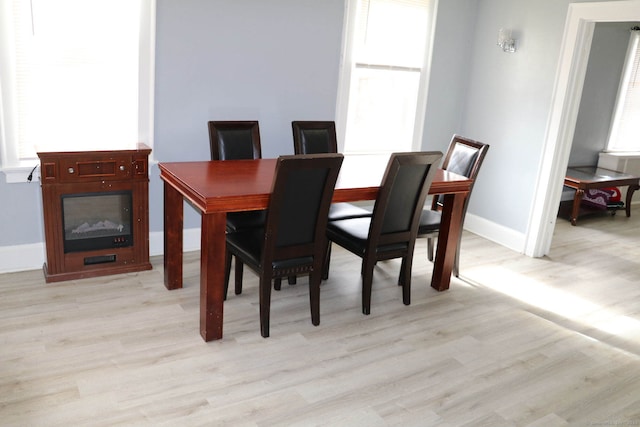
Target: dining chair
[[237, 140], [234, 140], [293, 239], [391, 231], [314, 137], [464, 157]]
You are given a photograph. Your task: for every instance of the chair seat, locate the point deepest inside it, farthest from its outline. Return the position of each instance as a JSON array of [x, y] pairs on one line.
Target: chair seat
[[339, 211], [429, 222], [352, 234], [249, 244], [243, 220]]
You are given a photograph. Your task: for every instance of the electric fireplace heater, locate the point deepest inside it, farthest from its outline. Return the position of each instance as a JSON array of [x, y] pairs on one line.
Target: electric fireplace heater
[[96, 212]]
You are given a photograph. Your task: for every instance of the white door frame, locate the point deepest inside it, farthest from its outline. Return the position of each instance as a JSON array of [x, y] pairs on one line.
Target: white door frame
[[572, 67]]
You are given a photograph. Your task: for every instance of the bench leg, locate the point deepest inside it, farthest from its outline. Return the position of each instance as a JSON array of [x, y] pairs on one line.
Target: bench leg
[[577, 199], [630, 191]]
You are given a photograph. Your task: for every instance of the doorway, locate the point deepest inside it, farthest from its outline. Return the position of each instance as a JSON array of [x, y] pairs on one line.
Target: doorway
[[574, 56]]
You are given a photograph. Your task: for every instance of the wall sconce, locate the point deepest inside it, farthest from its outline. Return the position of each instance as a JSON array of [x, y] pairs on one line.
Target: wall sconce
[[505, 41]]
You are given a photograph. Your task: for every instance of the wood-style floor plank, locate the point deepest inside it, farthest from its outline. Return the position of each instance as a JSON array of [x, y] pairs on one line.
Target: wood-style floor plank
[[516, 341]]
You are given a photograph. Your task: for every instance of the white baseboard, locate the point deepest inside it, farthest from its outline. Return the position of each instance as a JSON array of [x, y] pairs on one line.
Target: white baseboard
[[496, 233], [21, 257], [32, 256]]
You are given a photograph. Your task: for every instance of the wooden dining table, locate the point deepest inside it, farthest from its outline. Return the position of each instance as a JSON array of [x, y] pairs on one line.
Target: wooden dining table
[[214, 188]]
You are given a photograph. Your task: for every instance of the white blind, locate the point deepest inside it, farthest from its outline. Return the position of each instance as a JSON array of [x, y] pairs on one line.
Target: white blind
[[625, 128], [73, 79]]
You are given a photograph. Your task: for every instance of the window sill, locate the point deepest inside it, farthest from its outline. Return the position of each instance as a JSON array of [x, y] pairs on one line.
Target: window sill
[[621, 153], [20, 174]]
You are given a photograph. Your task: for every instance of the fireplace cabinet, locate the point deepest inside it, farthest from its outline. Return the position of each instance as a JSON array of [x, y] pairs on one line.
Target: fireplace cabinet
[[96, 212]]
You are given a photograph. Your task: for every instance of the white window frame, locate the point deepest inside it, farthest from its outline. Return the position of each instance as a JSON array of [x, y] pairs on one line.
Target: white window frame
[[348, 64], [17, 171], [631, 65]]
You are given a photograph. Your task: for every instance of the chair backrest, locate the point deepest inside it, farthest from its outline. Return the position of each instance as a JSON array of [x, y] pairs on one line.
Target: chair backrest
[[299, 207], [234, 140], [464, 157], [404, 188], [314, 137]]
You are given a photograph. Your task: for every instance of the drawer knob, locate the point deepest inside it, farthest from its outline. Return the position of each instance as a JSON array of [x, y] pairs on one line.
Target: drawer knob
[[71, 170], [122, 168]]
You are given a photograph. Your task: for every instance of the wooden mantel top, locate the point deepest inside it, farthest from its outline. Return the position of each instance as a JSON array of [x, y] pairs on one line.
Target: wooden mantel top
[[129, 148]]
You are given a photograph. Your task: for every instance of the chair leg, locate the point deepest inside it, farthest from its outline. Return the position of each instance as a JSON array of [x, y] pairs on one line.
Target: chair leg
[[405, 278], [430, 249], [327, 259], [265, 305], [227, 272], [402, 267], [367, 283], [314, 296], [277, 283], [239, 269], [292, 280], [456, 262]]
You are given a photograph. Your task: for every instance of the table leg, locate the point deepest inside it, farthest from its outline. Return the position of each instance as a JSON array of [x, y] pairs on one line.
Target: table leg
[[630, 191], [212, 269], [448, 237], [575, 211], [173, 224]]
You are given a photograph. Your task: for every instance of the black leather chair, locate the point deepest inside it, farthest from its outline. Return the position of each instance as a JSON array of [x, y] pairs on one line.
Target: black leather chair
[[464, 157], [314, 137], [293, 240], [237, 140], [391, 231], [234, 140]]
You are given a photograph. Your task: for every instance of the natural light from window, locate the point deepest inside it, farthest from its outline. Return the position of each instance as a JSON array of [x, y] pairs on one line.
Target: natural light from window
[[625, 126], [389, 41], [76, 76], [556, 301]]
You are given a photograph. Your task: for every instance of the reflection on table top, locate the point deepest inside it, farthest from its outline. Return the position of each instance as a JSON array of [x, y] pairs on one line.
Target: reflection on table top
[[595, 174]]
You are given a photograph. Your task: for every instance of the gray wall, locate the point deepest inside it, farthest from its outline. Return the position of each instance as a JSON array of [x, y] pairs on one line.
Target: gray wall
[[450, 71], [272, 61], [606, 59], [508, 103]]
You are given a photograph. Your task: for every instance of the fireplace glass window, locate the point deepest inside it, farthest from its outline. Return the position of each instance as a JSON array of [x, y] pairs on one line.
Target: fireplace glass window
[[93, 221]]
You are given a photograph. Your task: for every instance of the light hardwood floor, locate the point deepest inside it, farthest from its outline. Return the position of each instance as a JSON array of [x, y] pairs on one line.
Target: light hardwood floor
[[516, 341]]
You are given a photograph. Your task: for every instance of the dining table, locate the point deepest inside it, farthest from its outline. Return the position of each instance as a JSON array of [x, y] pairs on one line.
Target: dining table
[[215, 188]]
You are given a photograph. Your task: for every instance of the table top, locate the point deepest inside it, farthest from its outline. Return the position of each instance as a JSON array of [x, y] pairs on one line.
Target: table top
[[596, 175], [237, 185]]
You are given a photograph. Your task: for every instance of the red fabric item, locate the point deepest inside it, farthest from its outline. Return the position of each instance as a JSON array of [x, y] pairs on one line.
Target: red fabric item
[[601, 197]]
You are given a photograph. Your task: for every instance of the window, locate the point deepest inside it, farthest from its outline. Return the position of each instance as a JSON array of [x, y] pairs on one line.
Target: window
[[625, 126], [76, 75], [382, 89]]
